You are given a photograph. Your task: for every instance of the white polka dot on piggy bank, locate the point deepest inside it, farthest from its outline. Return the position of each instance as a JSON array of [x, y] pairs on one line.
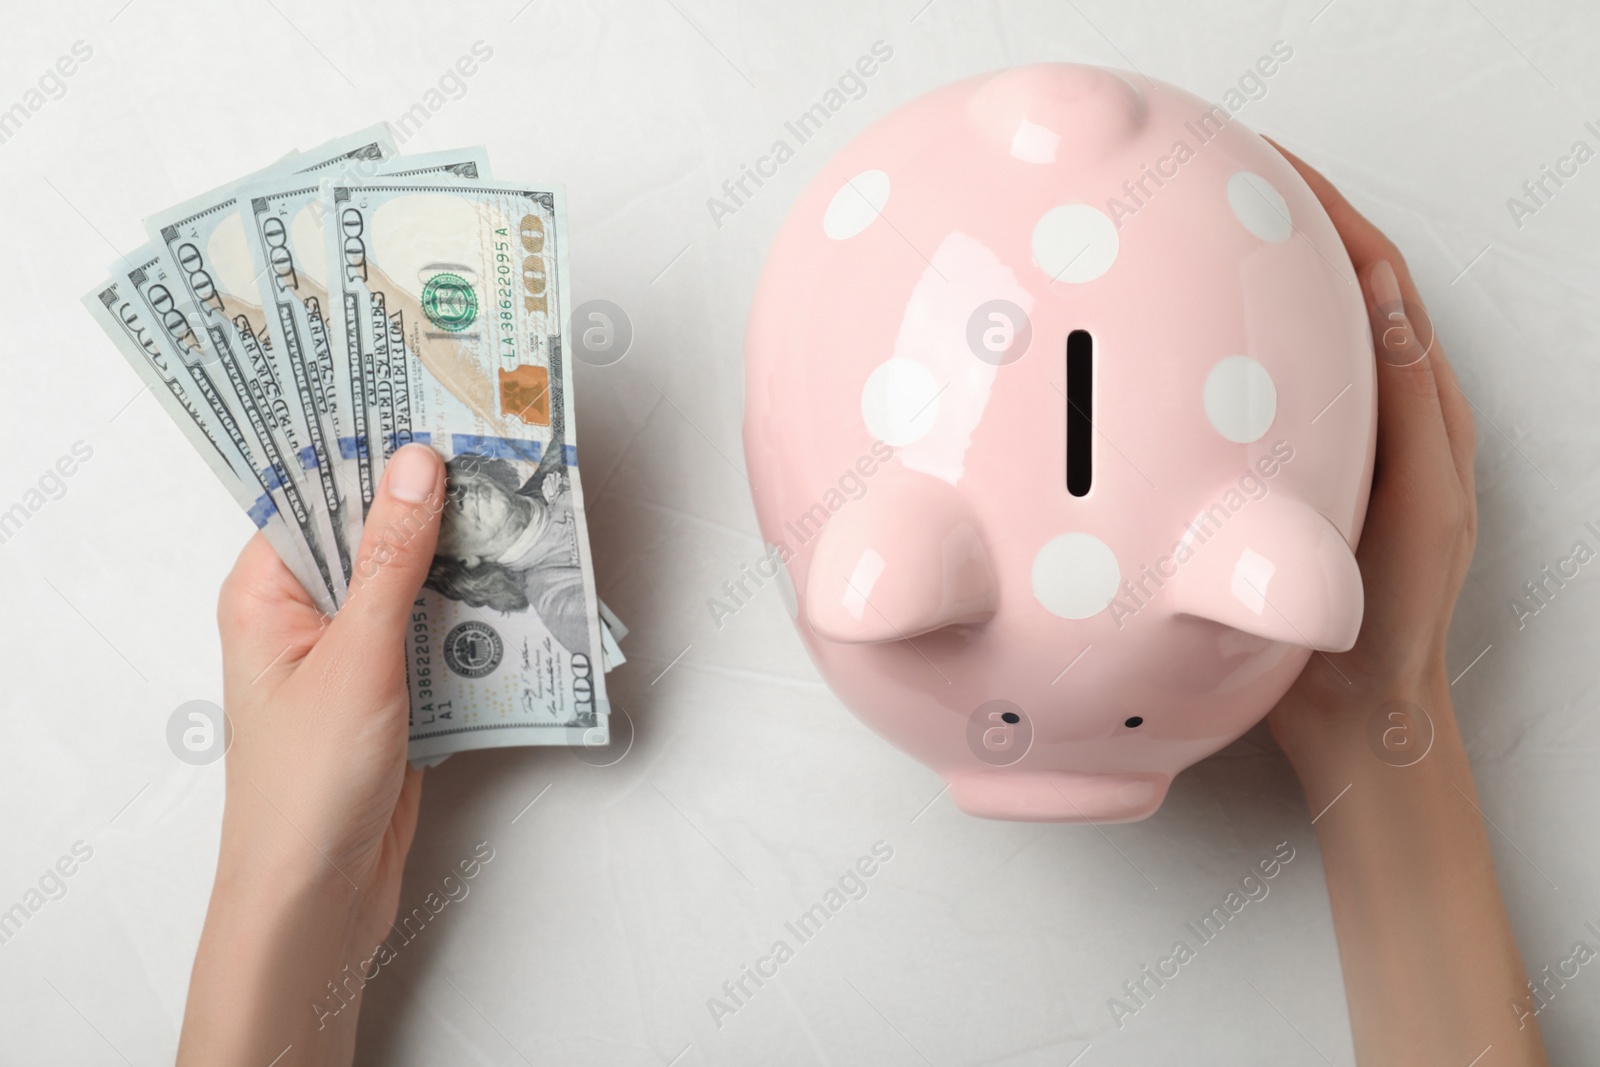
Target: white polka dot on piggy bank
[[1058, 571]]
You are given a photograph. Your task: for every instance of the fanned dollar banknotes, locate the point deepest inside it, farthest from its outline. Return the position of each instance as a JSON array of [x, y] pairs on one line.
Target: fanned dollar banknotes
[[302, 323]]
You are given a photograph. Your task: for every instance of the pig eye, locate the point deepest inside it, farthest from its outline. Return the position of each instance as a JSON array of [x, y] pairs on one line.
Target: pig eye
[[1080, 412], [1010, 716], [1135, 722]]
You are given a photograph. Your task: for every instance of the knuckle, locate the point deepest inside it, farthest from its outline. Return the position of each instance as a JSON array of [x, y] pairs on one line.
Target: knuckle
[[384, 552], [1457, 518], [1463, 535], [1426, 385], [399, 540], [333, 681], [1417, 380], [1396, 258], [389, 569], [235, 605], [336, 664]]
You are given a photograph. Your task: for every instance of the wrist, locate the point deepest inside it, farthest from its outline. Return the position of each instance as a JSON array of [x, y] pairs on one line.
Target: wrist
[[279, 931], [1363, 725], [281, 892], [293, 854], [306, 915]]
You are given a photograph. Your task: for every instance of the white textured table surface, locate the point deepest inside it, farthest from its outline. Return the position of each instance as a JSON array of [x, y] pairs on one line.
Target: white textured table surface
[[625, 898]]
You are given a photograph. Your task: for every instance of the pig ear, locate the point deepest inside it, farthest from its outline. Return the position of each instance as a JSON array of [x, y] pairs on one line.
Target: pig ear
[[906, 558], [1277, 569]]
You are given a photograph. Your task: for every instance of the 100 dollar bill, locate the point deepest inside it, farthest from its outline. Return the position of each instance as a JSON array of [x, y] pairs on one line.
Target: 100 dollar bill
[[285, 217], [284, 223], [453, 299], [206, 260], [145, 280], [191, 400]]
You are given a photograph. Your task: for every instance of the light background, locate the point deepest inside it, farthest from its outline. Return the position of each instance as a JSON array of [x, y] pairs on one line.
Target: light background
[[622, 900]]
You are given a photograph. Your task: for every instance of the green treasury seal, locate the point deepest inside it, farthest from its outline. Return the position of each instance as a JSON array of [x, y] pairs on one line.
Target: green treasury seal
[[449, 302]]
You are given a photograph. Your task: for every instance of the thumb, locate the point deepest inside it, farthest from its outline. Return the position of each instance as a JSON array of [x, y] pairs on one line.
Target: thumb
[[397, 545]]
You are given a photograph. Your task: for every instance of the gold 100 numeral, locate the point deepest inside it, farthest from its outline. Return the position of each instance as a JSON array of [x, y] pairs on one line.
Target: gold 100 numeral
[[534, 297]]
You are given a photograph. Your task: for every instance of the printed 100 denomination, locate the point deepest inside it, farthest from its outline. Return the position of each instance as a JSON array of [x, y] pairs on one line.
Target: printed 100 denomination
[[206, 254], [454, 294], [285, 216]]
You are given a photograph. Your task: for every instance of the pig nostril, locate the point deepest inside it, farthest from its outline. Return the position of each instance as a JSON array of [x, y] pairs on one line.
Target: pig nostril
[[1133, 723], [1011, 716]]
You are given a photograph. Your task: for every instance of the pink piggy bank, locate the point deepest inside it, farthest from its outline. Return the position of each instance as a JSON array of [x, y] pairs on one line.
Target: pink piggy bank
[[1060, 414]]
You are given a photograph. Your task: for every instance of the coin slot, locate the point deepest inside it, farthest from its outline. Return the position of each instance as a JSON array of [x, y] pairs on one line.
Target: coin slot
[[1080, 412]]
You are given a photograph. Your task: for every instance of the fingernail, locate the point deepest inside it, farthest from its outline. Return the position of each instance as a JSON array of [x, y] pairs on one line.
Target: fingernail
[[1385, 288], [412, 473], [1397, 341]]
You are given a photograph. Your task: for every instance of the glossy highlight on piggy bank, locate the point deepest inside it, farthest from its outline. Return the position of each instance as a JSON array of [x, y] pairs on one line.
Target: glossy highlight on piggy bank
[[1123, 365]]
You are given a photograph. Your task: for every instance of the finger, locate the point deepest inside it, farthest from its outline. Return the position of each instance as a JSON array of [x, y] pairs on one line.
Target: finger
[[1413, 446], [1367, 245], [1459, 422], [263, 614], [1364, 241], [402, 530], [1411, 427]]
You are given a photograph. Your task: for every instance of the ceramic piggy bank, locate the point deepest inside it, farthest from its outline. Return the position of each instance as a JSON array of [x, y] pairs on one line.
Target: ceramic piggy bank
[[1060, 413]]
